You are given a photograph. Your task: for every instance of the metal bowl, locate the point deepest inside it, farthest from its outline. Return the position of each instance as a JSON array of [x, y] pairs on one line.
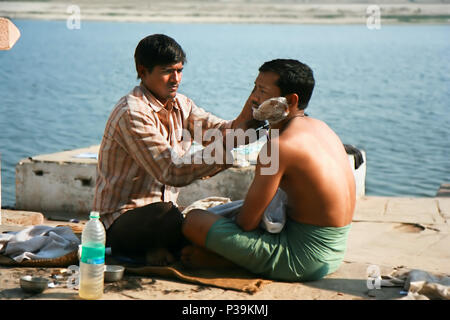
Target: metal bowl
[[32, 284], [113, 273]]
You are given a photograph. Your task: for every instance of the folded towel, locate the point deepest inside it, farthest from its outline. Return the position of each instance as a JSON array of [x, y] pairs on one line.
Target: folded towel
[[38, 242]]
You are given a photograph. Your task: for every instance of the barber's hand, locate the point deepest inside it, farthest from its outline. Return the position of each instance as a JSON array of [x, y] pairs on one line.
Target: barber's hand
[[245, 119], [253, 123]]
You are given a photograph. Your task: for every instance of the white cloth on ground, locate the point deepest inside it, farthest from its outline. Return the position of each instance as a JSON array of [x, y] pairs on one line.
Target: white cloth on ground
[[419, 284], [38, 242]]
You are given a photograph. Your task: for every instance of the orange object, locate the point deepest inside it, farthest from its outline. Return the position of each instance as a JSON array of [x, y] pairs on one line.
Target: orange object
[[9, 34]]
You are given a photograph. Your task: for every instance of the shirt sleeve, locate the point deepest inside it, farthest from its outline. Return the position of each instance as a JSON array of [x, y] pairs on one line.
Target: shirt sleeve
[[145, 144], [201, 119]]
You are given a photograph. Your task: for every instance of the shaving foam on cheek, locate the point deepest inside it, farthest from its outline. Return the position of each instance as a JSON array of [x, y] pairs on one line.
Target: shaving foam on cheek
[[273, 110]]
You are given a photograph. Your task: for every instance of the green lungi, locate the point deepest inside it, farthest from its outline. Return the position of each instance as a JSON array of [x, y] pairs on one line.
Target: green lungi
[[300, 252]]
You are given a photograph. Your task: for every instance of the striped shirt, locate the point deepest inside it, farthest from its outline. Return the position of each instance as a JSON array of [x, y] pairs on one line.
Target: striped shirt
[[136, 165]]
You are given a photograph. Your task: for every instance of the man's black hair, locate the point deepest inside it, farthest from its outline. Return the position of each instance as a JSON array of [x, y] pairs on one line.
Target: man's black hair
[[158, 49], [295, 77]]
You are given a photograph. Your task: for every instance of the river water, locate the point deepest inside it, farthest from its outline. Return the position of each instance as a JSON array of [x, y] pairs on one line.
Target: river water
[[385, 91]]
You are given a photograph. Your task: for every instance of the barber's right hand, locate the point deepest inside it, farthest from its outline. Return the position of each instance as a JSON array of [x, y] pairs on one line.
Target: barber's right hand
[[254, 124]]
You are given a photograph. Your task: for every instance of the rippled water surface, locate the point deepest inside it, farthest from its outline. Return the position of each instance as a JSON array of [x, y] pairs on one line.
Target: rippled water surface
[[385, 91]]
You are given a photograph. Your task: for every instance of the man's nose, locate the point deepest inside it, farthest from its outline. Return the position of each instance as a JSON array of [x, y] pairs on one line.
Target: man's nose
[[175, 76], [255, 99]]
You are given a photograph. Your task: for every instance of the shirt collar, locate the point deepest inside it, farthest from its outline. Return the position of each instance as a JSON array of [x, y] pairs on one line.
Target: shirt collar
[[154, 103]]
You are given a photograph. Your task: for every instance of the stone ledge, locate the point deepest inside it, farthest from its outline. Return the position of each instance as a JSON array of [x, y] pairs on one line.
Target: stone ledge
[[22, 218], [430, 211]]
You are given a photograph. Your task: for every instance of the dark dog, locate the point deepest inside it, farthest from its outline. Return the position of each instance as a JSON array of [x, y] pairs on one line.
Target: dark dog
[[151, 233]]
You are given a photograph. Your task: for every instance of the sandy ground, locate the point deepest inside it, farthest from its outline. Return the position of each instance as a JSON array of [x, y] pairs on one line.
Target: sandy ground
[[390, 233], [231, 11]]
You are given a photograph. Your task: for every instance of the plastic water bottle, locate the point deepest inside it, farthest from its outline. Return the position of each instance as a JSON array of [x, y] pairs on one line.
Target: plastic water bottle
[[92, 262]]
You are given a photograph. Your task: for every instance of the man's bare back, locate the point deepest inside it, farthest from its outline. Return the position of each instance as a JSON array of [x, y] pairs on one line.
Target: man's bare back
[[318, 178]]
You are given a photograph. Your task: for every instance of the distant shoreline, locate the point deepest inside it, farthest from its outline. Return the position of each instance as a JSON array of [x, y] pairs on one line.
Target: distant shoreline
[[228, 12]]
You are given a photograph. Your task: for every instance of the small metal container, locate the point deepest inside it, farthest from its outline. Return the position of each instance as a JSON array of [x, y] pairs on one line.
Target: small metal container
[[113, 273], [32, 284]]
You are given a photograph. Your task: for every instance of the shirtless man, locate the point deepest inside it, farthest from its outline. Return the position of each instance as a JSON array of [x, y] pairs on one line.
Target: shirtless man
[[314, 172]]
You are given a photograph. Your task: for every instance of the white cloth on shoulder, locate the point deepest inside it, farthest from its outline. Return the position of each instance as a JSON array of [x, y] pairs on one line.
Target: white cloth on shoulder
[[274, 217], [38, 242]]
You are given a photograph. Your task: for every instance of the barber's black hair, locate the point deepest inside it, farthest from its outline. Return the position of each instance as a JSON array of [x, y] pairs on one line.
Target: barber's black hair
[[158, 49], [295, 77]]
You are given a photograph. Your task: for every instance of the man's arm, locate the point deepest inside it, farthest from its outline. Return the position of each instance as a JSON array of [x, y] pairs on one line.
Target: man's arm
[[243, 121], [145, 144], [201, 120], [261, 191]]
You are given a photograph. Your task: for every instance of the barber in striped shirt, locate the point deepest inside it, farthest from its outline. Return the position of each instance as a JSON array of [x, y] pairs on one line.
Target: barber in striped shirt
[[139, 168]]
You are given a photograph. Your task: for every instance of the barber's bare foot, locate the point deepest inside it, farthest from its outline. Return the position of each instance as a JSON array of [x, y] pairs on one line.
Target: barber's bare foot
[[159, 257], [197, 257]]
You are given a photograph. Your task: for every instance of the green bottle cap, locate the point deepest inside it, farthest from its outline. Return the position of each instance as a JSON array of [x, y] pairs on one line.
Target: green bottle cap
[[94, 214]]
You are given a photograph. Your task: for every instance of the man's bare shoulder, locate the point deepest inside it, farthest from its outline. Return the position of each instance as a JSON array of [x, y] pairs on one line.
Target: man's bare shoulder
[[304, 138], [295, 135]]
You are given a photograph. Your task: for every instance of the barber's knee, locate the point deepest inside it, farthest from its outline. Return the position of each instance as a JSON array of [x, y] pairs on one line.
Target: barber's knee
[[197, 224], [192, 219]]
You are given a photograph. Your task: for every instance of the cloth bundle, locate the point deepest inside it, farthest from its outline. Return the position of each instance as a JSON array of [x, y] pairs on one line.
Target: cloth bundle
[[274, 217], [419, 284], [38, 242]]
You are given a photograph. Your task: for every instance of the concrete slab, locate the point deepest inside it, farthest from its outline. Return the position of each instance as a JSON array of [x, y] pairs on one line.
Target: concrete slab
[[397, 244], [419, 210], [370, 208], [61, 185], [21, 218], [82, 155], [402, 209]]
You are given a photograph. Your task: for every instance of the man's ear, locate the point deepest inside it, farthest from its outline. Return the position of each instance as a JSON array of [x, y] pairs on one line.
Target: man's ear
[[141, 70], [292, 100]]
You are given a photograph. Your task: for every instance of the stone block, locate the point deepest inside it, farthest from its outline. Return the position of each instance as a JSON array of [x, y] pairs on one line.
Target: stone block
[[22, 218], [413, 210], [62, 185], [58, 185]]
